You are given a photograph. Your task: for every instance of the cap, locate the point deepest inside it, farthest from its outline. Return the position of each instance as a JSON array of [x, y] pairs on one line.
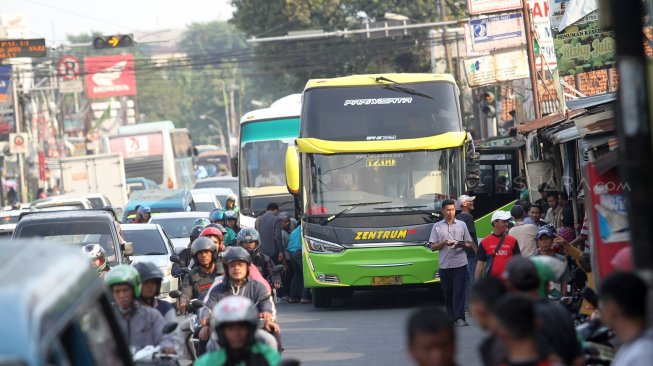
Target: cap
[[464, 198], [500, 215], [544, 231], [522, 274]]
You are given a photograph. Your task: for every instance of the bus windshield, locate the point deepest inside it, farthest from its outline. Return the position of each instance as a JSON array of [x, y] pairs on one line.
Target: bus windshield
[[399, 181], [263, 169], [371, 113]]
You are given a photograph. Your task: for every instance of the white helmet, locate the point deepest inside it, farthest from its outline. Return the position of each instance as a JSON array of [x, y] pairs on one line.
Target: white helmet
[[234, 309], [95, 252], [232, 197]]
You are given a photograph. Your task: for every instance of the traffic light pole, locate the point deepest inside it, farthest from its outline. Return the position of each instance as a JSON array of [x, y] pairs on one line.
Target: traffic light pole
[[531, 59], [18, 118]]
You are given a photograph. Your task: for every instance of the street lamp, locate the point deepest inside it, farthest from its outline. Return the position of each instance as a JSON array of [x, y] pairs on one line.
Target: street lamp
[[218, 129]]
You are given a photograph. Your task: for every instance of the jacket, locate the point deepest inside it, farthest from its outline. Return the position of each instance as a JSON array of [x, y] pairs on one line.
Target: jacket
[[259, 355], [252, 290], [269, 228], [144, 327], [197, 283]]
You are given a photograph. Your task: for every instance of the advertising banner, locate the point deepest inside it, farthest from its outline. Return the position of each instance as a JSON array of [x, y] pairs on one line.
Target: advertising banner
[[110, 76], [5, 79], [582, 46], [542, 25], [497, 32], [503, 66], [492, 6]]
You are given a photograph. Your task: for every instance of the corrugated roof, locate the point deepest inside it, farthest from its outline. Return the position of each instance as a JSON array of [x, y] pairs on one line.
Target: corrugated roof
[[594, 100], [548, 121]]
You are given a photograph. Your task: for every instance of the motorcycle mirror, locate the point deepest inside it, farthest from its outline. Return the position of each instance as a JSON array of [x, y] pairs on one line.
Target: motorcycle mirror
[[169, 328], [174, 259], [196, 303], [175, 294]]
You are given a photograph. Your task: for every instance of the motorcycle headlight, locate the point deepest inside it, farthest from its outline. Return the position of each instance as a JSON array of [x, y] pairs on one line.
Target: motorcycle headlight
[[322, 246]]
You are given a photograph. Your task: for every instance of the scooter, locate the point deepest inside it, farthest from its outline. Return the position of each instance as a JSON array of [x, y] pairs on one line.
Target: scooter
[[598, 340], [190, 327], [152, 355]]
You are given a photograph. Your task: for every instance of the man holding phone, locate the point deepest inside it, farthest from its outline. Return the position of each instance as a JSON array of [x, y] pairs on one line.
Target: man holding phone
[[450, 237]]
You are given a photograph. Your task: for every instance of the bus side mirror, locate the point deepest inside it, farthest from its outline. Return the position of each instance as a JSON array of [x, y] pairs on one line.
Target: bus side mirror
[[234, 166], [292, 170]]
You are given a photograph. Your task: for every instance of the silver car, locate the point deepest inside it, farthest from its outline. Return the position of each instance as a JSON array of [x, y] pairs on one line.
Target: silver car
[[178, 225]]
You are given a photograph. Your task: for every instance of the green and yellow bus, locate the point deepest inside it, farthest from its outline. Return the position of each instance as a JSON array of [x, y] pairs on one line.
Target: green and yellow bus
[[375, 158]]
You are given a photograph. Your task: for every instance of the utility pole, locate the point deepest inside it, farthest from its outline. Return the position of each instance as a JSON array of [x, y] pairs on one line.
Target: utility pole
[[18, 118], [445, 41], [531, 58]]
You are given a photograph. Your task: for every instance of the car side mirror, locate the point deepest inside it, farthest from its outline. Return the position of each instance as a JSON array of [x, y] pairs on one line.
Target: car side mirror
[[174, 259], [127, 249]]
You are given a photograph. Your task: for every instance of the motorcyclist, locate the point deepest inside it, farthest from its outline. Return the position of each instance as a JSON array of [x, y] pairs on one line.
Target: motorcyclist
[[207, 267], [185, 256], [236, 262], [202, 222], [143, 215], [249, 239], [231, 221], [151, 278], [98, 258], [235, 320], [141, 325], [217, 217], [216, 235], [231, 204]]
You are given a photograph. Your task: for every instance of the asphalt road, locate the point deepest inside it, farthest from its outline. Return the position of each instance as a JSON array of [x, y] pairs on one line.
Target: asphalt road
[[366, 329]]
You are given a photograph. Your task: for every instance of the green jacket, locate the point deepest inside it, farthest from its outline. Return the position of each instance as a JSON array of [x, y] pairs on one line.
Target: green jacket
[[230, 237], [260, 355]]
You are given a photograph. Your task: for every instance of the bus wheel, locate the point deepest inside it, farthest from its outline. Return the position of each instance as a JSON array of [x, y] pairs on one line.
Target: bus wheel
[[321, 297]]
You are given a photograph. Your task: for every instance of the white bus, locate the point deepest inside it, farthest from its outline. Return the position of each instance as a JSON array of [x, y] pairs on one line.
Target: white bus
[[156, 151]]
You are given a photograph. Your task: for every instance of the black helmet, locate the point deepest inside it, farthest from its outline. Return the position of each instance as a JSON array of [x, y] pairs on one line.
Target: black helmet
[[149, 271], [235, 254], [195, 232], [203, 243]]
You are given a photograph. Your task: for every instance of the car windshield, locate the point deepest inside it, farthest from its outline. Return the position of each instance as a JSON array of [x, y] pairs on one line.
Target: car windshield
[[146, 242], [96, 202], [402, 181], [73, 232], [204, 206], [178, 227]]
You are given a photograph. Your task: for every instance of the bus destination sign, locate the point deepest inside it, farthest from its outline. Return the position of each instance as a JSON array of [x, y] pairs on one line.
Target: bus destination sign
[[13, 48]]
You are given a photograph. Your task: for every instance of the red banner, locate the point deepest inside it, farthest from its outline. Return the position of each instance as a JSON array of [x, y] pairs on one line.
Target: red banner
[[110, 76]]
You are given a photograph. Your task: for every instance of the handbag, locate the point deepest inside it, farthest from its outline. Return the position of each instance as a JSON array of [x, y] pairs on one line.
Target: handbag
[[488, 264]]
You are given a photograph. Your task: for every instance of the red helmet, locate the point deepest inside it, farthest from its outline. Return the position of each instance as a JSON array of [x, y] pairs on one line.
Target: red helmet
[[212, 231]]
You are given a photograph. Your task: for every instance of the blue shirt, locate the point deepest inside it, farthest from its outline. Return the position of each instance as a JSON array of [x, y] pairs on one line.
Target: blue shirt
[[295, 241]]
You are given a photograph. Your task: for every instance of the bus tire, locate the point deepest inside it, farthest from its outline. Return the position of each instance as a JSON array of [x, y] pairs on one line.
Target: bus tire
[[321, 297]]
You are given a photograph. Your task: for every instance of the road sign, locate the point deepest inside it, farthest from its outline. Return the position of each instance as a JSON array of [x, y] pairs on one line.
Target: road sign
[[69, 68], [13, 48], [18, 143], [72, 86], [497, 32]]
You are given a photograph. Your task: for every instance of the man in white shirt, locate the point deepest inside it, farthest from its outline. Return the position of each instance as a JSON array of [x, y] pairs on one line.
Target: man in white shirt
[[525, 233]]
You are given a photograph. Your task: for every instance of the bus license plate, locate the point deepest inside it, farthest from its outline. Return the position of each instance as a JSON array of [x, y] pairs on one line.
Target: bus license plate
[[386, 280]]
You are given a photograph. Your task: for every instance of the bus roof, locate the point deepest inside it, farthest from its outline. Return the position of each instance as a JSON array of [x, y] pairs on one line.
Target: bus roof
[[288, 106], [369, 79]]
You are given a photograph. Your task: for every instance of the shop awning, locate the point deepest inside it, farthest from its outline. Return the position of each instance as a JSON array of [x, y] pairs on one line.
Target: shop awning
[[548, 121]]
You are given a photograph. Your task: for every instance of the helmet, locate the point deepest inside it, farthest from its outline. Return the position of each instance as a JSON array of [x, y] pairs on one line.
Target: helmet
[[216, 216], [201, 222], [144, 209], [200, 244], [212, 231], [232, 197], [231, 215], [235, 254], [95, 251], [219, 227], [249, 234], [124, 274], [148, 271], [234, 309], [195, 232]]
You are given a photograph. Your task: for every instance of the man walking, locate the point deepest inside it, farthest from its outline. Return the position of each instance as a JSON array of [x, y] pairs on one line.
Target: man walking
[[269, 227], [450, 237], [524, 233], [496, 249], [466, 204]]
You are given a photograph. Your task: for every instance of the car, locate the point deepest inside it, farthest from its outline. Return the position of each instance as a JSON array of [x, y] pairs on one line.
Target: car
[[151, 244], [55, 308], [220, 193], [218, 182], [140, 184], [159, 200], [76, 227], [178, 225], [66, 200], [8, 221], [205, 201]]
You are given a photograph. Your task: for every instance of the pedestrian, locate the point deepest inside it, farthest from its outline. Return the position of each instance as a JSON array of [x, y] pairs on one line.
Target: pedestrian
[[431, 338], [623, 309], [496, 249], [516, 328], [450, 237], [485, 294], [12, 196], [563, 200], [535, 216], [566, 229], [556, 325], [297, 290], [269, 227], [545, 238], [466, 205], [543, 189], [553, 214], [286, 278], [524, 233]]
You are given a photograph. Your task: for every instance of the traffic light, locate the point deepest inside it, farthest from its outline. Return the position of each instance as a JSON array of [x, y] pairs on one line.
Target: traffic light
[[487, 105], [119, 40]]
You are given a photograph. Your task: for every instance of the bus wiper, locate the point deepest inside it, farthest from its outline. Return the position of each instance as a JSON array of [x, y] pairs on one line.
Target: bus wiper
[[402, 88], [351, 207], [414, 208]]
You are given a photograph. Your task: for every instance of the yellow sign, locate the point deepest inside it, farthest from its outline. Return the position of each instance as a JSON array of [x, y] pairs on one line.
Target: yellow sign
[[113, 41], [381, 162], [381, 234]]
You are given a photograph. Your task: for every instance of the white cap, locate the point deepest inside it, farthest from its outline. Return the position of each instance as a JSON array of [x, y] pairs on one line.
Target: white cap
[[464, 198], [500, 215]]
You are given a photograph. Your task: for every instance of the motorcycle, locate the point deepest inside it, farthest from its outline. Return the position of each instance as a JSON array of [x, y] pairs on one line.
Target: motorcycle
[[153, 356], [598, 341], [190, 327]]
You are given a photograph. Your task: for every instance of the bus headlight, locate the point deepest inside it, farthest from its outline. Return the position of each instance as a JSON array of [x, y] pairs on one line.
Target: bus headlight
[[321, 246]]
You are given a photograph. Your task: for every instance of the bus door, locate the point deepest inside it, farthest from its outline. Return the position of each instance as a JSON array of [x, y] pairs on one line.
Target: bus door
[[499, 168]]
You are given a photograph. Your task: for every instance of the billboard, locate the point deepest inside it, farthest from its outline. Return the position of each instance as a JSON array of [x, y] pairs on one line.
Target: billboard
[[502, 66], [137, 145], [492, 6], [542, 25], [110, 76], [496, 32]]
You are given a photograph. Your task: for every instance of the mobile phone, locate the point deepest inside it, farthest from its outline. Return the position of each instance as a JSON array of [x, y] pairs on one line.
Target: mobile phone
[[461, 244]]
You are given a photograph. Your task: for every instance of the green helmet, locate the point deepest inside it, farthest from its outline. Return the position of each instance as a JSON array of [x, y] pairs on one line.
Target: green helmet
[[124, 274], [201, 221], [549, 269]]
